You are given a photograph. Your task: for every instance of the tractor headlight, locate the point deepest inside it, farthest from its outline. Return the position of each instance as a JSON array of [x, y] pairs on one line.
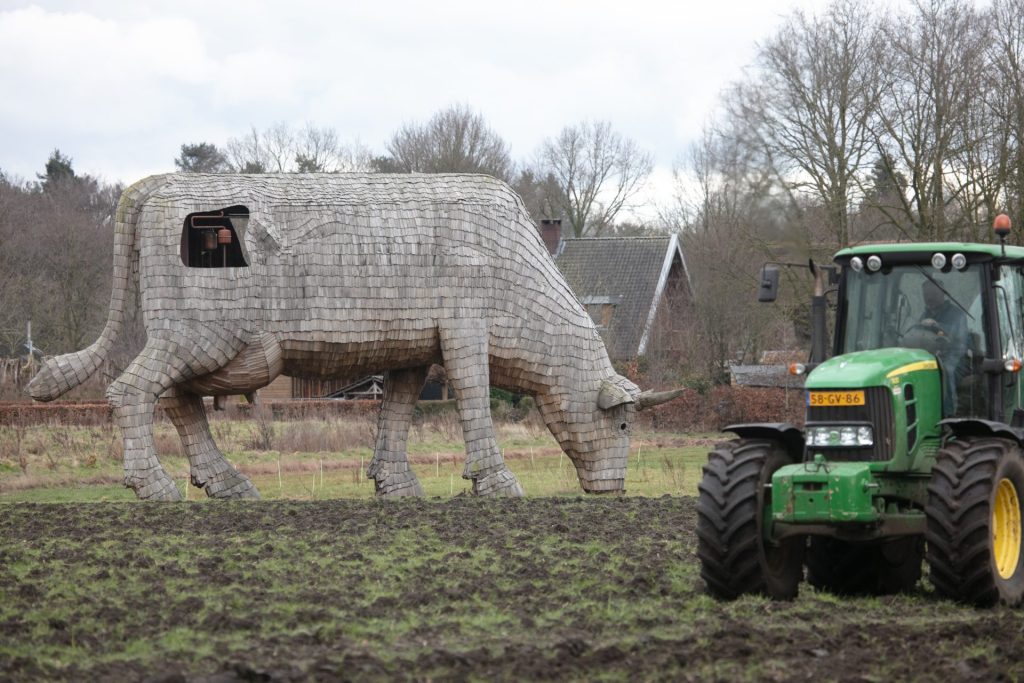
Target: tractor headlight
[[938, 261], [819, 436], [840, 436]]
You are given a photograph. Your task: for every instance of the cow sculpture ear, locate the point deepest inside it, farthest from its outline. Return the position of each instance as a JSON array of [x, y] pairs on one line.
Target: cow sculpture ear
[[612, 395]]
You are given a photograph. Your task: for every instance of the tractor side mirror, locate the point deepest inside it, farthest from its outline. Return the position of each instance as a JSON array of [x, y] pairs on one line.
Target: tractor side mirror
[[769, 288]]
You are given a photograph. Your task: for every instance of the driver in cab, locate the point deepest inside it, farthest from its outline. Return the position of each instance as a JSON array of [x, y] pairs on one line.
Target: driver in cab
[[948, 323]]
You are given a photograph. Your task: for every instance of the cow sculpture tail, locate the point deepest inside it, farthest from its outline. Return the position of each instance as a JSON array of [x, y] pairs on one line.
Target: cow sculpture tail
[[61, 374]]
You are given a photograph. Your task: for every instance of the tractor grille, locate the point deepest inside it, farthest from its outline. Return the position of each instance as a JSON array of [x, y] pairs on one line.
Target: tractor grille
[[877, 410]]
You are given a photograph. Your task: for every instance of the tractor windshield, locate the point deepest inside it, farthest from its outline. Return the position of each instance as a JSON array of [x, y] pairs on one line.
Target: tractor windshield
[[918, 306]]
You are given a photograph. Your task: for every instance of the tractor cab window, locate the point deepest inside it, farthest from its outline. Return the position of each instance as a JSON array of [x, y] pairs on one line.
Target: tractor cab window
[[1009, 292], [918, 306]]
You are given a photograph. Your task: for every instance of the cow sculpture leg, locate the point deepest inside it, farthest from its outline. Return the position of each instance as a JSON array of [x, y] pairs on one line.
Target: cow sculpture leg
[[209, 469], [464, 348], [166, 360], [389, 468]]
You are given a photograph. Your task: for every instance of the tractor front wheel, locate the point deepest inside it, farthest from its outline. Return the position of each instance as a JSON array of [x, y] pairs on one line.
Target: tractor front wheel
[[735, 500], [974, 521]]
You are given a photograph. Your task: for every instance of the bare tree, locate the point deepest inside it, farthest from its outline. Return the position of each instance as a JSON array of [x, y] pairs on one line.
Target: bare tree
[[883, 127], [600, 173], [726, 178], [730, 219], [14, 287], [541, 194], [976, 171], [249, 154], [935, 58], [817, 85], [1006, 58], [454, 140], [279, 147], [311, 149], [321, 150], [56, 237], [72, 259]]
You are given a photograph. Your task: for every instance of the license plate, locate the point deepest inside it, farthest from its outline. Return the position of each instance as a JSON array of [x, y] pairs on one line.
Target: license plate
[[822, 399]]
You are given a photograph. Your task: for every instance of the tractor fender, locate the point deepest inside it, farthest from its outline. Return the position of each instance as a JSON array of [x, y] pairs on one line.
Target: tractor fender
[[790, 437], [974, 427]]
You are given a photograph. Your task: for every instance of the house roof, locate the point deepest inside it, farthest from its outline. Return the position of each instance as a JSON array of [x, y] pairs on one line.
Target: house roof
[[629, 273]]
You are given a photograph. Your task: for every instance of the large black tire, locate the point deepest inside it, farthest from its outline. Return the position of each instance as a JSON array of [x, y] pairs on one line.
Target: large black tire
[[976, 491], [734, 558], [879, 568]]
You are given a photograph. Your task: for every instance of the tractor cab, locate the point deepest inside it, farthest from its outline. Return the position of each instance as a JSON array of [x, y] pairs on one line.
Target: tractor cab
[[961, 303]]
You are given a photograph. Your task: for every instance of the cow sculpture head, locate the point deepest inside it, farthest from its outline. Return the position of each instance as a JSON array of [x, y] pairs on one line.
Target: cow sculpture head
[[594, 427]]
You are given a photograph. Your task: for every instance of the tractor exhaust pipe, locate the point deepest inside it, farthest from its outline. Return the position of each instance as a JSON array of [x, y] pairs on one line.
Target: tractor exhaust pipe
[[819, 326]]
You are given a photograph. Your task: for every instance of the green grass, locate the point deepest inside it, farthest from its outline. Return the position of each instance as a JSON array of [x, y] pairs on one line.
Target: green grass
[[75, 493], [311, 460]]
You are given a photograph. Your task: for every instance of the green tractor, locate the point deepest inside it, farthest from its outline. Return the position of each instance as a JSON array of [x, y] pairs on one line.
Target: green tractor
[[913, 444]]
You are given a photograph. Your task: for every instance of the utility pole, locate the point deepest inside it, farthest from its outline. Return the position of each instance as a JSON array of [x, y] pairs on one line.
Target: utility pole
[[28, 344]]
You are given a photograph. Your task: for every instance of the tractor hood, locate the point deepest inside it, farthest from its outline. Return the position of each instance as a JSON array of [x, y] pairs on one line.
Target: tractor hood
[[862, 369]]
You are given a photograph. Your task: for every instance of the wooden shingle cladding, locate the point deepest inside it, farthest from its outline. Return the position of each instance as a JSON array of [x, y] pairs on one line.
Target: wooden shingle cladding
[[631, 286], [350, 274]]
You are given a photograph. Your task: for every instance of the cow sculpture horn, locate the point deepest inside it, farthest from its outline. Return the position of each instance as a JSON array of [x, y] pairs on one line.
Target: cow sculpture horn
[[648, 399]]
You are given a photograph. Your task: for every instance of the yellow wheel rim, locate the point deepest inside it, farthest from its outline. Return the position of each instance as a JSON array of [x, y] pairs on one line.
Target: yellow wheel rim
[[1006, 536]]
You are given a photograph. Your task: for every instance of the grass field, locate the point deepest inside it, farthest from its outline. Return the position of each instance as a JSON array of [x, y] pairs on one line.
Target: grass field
[[317, 460]]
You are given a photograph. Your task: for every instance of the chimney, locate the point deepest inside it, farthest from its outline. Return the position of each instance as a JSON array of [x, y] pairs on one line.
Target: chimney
[[551, 233]]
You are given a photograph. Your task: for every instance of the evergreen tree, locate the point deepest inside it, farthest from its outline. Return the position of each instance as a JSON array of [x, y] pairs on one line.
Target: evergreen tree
[[58, 170], [202, 158]]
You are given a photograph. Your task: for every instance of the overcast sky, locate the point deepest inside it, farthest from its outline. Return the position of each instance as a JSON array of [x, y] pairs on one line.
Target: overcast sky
[[118, 86]]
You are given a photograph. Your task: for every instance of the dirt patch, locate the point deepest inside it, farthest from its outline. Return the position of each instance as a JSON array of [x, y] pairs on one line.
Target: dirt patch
[[538, 589]]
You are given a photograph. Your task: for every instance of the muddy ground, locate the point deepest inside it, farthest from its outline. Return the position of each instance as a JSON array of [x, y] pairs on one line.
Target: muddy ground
[[533, 589]]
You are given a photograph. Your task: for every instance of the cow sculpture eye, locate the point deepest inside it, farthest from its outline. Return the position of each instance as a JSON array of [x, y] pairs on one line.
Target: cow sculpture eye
[[623, 426]]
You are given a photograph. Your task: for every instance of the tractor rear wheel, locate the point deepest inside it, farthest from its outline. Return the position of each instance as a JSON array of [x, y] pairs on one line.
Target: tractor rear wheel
[[880, 568], [735, 500], [974, 521]]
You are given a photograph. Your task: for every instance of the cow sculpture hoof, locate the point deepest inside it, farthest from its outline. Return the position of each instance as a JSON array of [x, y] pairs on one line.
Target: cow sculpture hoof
[[227, 484], [402, 489], [395, 485], [499, 483], [156, 488], [392, 484]]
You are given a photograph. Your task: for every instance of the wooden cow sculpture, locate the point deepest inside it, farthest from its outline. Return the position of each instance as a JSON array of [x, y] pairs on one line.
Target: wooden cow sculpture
[[245, 277]]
